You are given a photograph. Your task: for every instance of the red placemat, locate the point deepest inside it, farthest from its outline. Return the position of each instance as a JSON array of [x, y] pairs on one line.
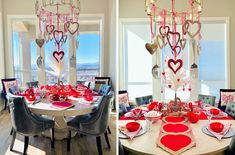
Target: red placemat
[[176, 143], [174, 119], [62, 105], [176, 128]]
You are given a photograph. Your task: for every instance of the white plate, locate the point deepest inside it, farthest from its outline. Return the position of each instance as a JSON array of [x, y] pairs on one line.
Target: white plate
[[229, 134], [220, 115], [143, 130]]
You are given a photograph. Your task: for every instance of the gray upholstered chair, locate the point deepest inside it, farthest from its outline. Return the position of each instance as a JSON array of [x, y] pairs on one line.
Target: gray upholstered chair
[[231, 148], [104, 89], [122, 109], [27, 124], [208, 99], [33, 84], [143, 100], [230, 109], [95, 124]]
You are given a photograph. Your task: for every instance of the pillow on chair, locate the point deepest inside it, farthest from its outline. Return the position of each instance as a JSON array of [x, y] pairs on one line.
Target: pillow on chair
[[123, 99], [8, 83], [101, 80], [226, 96], [14, 90]]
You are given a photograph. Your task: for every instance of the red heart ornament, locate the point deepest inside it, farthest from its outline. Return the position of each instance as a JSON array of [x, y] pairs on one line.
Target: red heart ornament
[[175, 65], [163, 30], [176, 143], [175, 128], [58, 55], [50, 29], [170, 36], [72, 27], [58, 36]]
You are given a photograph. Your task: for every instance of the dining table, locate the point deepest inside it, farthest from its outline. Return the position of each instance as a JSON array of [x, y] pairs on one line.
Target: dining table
[[147, 143]]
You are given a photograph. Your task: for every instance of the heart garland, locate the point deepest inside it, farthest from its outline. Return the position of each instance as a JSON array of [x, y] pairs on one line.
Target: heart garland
[[40, 42], [175, 65], [72, 27], [50, 29], [58, 36], [188, 24], [177, 50], [172, 35], [161, 41], [65, 38], [58, 56], [163, 30]]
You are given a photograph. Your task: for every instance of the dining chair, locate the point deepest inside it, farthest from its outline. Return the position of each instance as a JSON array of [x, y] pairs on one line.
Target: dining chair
[[101, 80], [143, 100], [207, 99], [27, 124], [231, 148], [230, 109], [85, 83], [226, 96], [6, 84], [95, 124], [32, 84], [104, 89]]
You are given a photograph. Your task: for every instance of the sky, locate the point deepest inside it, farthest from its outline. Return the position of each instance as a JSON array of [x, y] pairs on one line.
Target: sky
[[87, 52]]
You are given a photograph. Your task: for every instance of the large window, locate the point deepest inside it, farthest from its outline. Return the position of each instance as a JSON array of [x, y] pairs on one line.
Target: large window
[[137, 61], [24, 51], [213, 60], [88, 56]]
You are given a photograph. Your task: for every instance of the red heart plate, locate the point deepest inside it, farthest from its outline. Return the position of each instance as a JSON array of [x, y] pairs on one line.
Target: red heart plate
[[175, 128], [174, 119], [176, 143]]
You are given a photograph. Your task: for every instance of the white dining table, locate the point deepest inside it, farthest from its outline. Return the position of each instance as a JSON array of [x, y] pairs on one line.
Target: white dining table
[[81, 107], [205, 145]]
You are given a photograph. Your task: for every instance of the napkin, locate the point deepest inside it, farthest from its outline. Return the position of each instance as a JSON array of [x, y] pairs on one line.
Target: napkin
[[132, 114], [220, 135], [130, 135]]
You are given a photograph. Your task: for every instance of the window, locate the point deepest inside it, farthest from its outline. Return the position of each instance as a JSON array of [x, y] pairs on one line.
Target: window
[[137, 61], [24, 51], [213, 60], [88, 56], [88, 53]]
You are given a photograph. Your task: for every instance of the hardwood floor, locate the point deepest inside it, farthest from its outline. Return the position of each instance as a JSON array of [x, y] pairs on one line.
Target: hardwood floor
[[41, 145]]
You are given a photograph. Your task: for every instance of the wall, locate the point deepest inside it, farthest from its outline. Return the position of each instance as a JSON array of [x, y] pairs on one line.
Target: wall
[[25, 7], [212, 8], [2, 69]]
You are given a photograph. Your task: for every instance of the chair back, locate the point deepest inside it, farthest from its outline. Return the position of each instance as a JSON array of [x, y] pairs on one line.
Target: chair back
[[22, 120], [85, 83], [104, 89], [208, 99], [33, 84], [226, 96], [7, 83], [102, 80], [98, 122], [230, 109], [143, 100]]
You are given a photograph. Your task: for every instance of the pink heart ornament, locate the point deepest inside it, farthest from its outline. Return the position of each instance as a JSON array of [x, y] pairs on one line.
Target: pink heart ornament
[[58, 56]]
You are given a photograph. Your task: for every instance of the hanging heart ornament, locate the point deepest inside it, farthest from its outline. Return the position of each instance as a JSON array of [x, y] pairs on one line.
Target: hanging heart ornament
[[170, 36], [189, 25], [40, 42], [175, 65], [58, 56], [163, 30], [151, 48], [58, 36], [155, 71], [50, 29], [182, 43], [72, 27], [161, 41]]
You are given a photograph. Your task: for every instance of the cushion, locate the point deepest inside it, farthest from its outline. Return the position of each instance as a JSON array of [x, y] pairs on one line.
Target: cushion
[[124, 99], [14, 90], [9, 84], [98, 82], [230, 109], [227, 97]]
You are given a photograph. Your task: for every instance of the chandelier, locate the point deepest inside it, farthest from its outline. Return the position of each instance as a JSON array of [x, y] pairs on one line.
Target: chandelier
[[57, 19], [173, 28]]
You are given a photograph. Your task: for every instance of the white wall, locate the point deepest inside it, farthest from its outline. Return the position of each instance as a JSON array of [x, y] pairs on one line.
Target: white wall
[[2, 69], [25, 7], [212, 8]]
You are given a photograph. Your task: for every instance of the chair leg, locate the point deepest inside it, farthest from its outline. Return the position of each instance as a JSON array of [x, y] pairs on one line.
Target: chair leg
[[11, 131], [98, 143], [107, 139], [5, 105], [109, 130], [13, 139], [68, 141], [52, 138], [26, 143]]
